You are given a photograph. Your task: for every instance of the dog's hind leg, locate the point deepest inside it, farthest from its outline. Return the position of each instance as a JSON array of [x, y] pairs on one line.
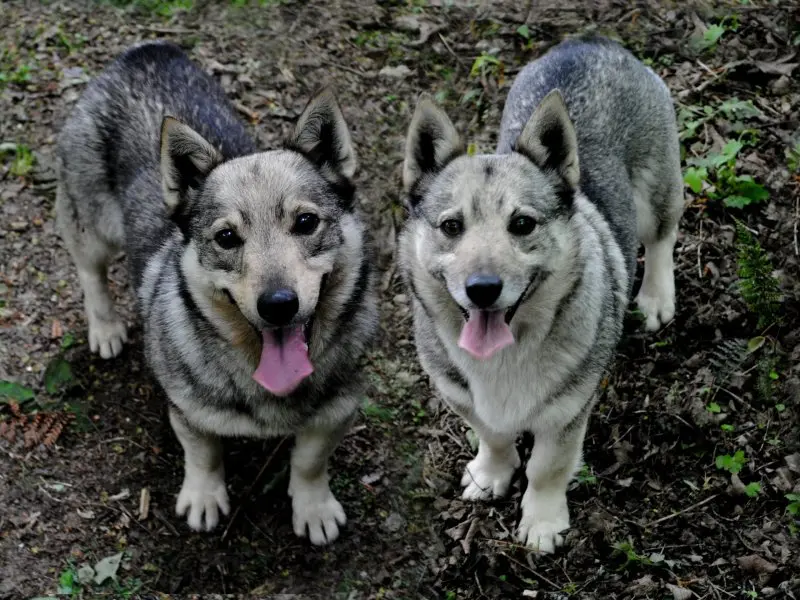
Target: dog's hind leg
[[92, 252], [658, 230]]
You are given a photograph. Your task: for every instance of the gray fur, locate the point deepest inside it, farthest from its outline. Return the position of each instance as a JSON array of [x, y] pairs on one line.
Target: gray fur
[[588, 148], [198, 301]]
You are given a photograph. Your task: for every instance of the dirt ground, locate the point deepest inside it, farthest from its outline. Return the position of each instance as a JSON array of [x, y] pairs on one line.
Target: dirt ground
[[692, 453]]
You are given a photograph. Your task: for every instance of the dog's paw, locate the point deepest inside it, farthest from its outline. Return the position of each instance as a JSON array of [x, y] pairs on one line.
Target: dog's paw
[[657, 306], [484, 479], [107, 336], [542, 524], [316, 512], [203, 497]]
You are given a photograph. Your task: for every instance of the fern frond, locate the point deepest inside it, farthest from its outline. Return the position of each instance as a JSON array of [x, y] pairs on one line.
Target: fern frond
[[759, 288]]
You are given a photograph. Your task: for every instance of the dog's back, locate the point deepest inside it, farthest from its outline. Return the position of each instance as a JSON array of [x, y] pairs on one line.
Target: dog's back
[[625, 126], [109, 147]]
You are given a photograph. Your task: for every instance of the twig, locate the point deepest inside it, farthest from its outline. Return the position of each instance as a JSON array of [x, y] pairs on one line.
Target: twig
[[796, 219], [529, 568], [680, 512], [246, 495]]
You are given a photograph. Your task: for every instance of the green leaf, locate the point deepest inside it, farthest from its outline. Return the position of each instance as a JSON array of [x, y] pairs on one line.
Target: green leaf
[[745, 186], [755, 343], [67, 341], [11, 390], [712, 35], [726, 427], [737, 201], [523, 31], [58, 376], [713, 407], [752, 489], [694, 178], [780, 407]]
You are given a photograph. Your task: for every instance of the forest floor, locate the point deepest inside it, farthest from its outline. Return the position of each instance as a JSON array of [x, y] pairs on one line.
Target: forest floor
[[693, 454]]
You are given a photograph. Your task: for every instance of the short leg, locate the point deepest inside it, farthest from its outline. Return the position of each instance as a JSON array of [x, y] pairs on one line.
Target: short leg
[[316, 513], [203, 494], [554, 460], [656, 298], [489, 474], [92, 253]]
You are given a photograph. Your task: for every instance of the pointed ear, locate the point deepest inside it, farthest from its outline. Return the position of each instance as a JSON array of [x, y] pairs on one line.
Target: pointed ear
[[549, 139], [431, 143], [321, 135], [186, 160]]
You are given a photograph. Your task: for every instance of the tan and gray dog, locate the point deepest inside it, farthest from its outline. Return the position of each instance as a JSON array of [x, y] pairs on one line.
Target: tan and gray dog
[[252, 269], [521, 263]]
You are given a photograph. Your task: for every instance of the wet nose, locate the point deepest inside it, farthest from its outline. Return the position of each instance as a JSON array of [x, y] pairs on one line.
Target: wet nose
[[483, 289], [279, 307]]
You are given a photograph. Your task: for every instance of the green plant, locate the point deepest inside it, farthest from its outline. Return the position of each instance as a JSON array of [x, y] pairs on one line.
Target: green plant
[[793, 508], [713, 33], [759, 288], [585, 476], [692, 117], [631, 556], [23, 160], [732, 464], [713, 408], [488, 65], [719, 172], [752, 489], [793, 158]]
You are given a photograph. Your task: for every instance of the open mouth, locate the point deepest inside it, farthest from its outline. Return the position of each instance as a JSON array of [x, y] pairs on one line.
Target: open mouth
[[486, 332], [284, 362]]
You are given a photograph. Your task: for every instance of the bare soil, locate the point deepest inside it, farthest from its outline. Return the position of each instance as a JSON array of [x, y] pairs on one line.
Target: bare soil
[[653, 516]]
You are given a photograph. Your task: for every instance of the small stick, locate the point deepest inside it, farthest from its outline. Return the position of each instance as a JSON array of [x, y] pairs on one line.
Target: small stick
[[680, 512], [252, 485]]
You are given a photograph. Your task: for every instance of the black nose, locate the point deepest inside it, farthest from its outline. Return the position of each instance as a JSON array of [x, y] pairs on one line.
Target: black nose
[[279, 307], [484, 290]]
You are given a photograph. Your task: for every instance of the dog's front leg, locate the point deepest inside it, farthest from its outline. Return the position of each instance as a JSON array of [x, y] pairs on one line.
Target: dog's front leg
[[489, 474], [203, 493], [315, 510], [555, 457]]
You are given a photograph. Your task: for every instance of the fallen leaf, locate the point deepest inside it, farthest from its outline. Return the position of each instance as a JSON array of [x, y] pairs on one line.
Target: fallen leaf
[[58, 376], [11, 390], [144, 503], [756, 564], [107, 568], [56, 331], [679, 593], [85, 574]]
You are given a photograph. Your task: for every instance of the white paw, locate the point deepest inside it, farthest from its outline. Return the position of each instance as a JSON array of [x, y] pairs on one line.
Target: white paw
[[315, 511], [203, 496], [542, 523], [657, 306], [107, 336], [486, 478]]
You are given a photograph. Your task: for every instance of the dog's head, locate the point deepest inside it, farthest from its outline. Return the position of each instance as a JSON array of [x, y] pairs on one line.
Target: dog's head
[[264, 232], [491, 228]]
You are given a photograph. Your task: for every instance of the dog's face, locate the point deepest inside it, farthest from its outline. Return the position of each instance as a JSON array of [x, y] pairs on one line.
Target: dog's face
[[265, 232], [491, 228]]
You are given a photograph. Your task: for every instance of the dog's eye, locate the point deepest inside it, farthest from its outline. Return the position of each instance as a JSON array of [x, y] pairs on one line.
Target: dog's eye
[[305, 224], [521, 225], [227, 239], [452, 227]]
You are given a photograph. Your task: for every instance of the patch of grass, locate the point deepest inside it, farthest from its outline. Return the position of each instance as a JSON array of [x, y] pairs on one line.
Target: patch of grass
[[793, 158], [692, 118], [759, 288], [632, 558]]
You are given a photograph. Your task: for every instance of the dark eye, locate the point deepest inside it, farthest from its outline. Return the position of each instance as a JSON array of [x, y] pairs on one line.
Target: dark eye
[[521, 225], [305, 224], [452, 227], [227, 239]]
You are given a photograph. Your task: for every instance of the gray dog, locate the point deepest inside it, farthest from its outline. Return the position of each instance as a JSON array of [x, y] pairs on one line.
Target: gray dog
[[252, 269], [521, 263]]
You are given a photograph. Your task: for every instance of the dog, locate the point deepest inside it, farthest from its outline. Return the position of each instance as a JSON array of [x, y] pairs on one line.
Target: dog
[[253, 271], [520, 264]]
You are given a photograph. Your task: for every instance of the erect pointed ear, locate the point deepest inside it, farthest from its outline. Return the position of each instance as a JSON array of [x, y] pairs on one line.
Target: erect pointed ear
[[549, 139], [431, 143], [321, 135], [186, 160]]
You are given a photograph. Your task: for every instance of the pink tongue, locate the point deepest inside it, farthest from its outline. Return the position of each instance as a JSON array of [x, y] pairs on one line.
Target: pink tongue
[[485, 333], [284, 361]]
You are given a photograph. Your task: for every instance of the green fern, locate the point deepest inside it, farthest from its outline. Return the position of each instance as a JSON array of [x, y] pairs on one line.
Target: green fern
[[727, 357], [760, 289]]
